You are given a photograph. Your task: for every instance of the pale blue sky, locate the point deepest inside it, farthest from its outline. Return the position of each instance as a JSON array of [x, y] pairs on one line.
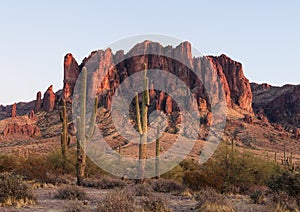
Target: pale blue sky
[[35, 36]]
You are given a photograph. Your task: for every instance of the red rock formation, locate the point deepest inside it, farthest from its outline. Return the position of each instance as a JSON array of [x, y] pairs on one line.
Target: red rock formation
[[209, 119], [71, 72], [240, 90], [107, 71], [296, 132], [248, 119], [31, 114], [49, 100], [67, 91], [169, 105], [14, 110], [160, 101], [38, 102], [26, 130]]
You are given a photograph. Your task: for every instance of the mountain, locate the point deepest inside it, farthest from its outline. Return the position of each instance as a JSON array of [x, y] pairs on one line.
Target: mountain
[[258, 116]]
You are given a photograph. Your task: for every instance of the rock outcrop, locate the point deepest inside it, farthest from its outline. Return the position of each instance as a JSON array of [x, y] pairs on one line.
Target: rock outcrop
[[14, 110], [71, 73], [25, 130], [31, 115], [38, 102], [239, 86], [49, 100], [248, 119]]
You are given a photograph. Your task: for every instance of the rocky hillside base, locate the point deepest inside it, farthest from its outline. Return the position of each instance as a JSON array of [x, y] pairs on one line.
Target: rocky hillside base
[[247, 132]]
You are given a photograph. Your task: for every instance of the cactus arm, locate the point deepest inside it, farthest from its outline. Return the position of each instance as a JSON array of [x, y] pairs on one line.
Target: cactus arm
[[138, 116], [92, 125]]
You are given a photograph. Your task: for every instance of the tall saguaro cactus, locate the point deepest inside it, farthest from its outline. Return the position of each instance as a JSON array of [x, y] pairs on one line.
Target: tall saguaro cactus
[[65, 138], [142, 123], [83, 133], [157, 152]]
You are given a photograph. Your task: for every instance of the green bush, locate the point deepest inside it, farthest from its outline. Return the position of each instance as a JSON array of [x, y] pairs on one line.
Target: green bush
[[71, 193], [228, 172], [14, 191]]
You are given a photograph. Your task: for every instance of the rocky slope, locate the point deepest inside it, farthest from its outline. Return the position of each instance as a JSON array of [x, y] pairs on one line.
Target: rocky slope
[[279, 104]]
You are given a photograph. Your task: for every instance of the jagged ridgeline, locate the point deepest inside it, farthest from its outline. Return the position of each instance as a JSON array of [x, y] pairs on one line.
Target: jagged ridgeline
[[113, 69]]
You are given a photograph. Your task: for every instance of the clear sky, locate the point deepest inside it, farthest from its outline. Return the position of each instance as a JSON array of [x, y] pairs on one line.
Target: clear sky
[[35, 36]]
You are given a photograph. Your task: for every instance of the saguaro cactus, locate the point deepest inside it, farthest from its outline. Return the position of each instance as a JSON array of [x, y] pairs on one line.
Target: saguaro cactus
[[157, 152], [142, 123], [65, 138], [83, 133]]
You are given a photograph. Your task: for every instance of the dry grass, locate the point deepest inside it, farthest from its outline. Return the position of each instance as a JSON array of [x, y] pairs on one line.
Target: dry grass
[[119, 201], [210, 200]]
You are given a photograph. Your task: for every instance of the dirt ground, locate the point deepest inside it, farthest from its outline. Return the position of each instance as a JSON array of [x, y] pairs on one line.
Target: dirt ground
[[47, 202]]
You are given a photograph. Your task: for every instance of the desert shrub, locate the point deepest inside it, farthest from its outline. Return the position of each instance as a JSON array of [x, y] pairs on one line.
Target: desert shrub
[[34, 168], [118, 200], [207, 176], [75, 206], [93, 170], [210, 200], [142, 190], [14, 191], [105, 183], [9, 163], [70, 193], [110, 183], [258, 197], [174, 174], [228, 171], [58, 179], [284, 202], [286, 181], [178, 172], [246, 171], [167, 186], [155, 203], [55, 163]]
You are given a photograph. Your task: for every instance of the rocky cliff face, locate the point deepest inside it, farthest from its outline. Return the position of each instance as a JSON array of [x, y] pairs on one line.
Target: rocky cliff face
[[280, 104], [119, 66], [71, 72], [239, 86]]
